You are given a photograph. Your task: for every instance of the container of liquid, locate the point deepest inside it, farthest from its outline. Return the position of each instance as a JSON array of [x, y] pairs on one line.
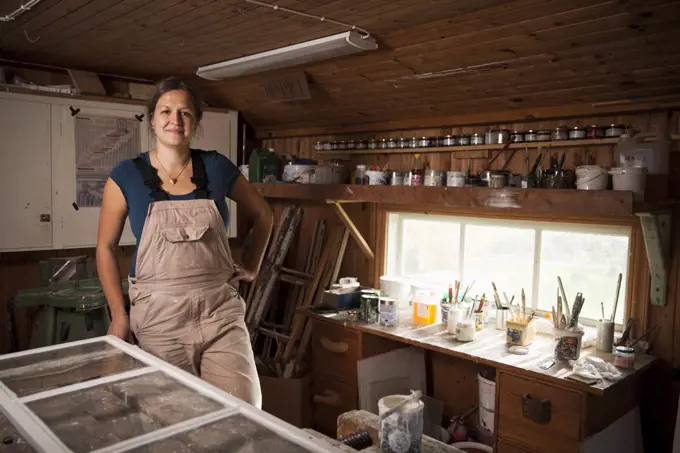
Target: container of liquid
[[646, 150], [425, 302]]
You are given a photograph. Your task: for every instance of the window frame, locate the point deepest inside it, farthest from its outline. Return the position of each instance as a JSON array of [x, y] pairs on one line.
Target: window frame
[[529, 220]]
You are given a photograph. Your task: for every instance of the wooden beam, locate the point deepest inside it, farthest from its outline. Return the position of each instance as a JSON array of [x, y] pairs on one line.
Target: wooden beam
[[363, 245]]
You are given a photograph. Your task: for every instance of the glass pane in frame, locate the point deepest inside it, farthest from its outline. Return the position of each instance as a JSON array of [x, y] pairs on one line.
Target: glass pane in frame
[[32, 373], [104, 415], [12, 442], [236, 434]]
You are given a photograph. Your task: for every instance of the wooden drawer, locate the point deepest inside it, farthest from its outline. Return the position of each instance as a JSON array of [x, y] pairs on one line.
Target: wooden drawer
[[336, 351], [559, 433], [504, 447], [330, 399]]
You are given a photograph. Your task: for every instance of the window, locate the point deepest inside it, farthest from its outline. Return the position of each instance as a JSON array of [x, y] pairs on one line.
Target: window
[[515, 255]]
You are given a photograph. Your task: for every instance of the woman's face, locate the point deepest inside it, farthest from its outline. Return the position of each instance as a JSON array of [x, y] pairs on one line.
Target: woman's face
[[174, 119]]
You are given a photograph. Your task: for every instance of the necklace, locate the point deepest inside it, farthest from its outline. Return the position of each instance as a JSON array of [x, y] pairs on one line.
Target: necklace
[[173, 181]]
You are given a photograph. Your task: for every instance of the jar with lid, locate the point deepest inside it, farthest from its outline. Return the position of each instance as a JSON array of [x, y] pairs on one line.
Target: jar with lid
[[477, 139], [517, 137], [351, 145], [543, 136], [594, 132], [615, 130], [342, 145], [449, 140], [417, 171], [318, 146], [334, 145], [560, 133], [531, 136], [327, 146], [372, 144], [464, 140], [391, 143], [624, 357], [577, 133], [496, 137], [383, 144], [424, 142], [402, 143], [413, 143], [433, 178]]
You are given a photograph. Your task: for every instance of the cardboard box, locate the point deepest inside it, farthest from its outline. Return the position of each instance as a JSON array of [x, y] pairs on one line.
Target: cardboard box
[[288, 399]]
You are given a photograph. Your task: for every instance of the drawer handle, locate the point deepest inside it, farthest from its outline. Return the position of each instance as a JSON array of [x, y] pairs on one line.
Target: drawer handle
[[330, 398], [536, 409], [339, 347]]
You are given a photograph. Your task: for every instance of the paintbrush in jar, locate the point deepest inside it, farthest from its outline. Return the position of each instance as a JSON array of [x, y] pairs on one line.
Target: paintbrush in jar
[[457, 288], [616, 298], [524, 305], [496, 297]]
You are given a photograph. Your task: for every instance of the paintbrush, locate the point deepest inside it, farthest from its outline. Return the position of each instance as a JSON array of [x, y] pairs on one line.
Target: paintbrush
[[616, 298], [496, 297], [524, 305], [455, 296], [567, 311], [602, 305]]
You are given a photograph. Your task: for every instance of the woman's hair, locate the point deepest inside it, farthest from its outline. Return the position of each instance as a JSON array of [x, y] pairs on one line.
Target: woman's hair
[[172, 84]]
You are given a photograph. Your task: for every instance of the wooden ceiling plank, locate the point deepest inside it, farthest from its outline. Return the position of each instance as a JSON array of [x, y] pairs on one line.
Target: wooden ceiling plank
[[48, 12]]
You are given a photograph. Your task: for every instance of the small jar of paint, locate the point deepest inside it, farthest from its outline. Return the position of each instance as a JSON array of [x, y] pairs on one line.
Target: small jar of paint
[[624, 357]]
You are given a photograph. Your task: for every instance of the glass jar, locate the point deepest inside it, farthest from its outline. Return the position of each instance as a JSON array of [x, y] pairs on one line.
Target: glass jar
[[413, 143], [424, 142], [577, 133], [318, 146], [477, 139], [391, 143], [531, 136], [517, 137], [372, 144], [464, 140], [560, 133], [543, 136]]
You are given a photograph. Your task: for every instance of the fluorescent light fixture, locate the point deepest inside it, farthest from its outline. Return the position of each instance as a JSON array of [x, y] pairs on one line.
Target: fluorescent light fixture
[[316, 50]]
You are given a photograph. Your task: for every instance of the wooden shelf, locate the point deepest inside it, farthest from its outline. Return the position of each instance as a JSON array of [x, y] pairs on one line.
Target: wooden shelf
[[453, 149], [606, 203]]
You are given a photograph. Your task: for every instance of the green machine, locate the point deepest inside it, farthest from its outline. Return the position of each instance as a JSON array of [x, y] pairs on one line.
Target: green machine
[[71, 303], [262, 165]]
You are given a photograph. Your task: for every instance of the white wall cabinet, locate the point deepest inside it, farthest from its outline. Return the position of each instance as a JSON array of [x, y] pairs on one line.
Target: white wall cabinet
[[57, 153]]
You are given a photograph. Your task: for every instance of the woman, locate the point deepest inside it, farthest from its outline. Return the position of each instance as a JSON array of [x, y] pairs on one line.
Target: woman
[[185, 308]]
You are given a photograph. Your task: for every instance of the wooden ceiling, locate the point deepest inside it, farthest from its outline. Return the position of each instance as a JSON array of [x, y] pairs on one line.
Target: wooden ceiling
[[483, 55]]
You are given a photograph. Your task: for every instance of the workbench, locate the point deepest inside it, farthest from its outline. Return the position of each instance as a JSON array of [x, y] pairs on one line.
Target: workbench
[[576, 411]]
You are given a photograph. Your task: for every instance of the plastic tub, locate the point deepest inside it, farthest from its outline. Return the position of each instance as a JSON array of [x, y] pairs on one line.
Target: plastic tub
[[403, 430], [487, 393], [567, 344], [396, 287], [591, 177], [631, 179]]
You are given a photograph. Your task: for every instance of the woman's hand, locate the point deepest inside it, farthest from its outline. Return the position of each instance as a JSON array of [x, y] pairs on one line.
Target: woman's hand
[[120, 327], [241, 274]]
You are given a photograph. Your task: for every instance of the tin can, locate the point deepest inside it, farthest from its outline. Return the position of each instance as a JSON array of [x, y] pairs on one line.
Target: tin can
[[496, 137], [334, 145], [497, 181], [391, 143], [388, 314], [615, 130], [560, 133], [342, 145], [577, 133], [424, 142], [351, 145], [327, 146], [413, 143], [530, 136], [433, 178], [372, 144], [477, 139], [396, 178], [594, 132], [402, 143], [449, 140], [370, 307], [463, 140], [362, 144], [383, 144], [517, 137], [543, 136]]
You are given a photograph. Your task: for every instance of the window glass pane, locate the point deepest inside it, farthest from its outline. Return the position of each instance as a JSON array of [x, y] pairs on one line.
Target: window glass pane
[[587, 263], [236, 434], [104, 415], [33, 373], [430, 250], [501, 254], [12, 441]]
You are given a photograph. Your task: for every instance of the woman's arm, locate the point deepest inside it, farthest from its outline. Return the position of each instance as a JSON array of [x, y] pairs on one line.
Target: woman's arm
[[111, 223], [247, 196]]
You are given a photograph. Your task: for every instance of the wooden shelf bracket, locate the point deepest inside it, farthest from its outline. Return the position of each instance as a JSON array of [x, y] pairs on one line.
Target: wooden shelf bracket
[[363, 245], [656, 229]]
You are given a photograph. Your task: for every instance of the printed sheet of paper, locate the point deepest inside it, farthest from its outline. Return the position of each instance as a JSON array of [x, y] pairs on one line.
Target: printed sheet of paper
[[101, 142]]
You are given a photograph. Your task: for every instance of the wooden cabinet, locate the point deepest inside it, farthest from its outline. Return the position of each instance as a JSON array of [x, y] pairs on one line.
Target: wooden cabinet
[[58, 152]]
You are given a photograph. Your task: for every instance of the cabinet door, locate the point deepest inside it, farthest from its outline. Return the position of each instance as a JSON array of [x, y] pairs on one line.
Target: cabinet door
[[26, 202], [90, 142], [219, 134]]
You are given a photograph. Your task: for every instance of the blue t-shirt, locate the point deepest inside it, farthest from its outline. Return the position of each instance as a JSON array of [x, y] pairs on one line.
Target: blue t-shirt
[[220, 172]]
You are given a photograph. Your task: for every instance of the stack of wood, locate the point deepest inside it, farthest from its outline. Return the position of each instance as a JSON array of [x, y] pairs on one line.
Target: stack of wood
[[280, 335]]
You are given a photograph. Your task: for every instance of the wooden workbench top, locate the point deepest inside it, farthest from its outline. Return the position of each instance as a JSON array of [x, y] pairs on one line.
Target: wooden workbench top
[[489, 348]]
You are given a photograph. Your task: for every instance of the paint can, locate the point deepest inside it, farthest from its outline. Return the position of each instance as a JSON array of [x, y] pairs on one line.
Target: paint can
[[370, 308], [401, 432], [388, 312], [455, 178]]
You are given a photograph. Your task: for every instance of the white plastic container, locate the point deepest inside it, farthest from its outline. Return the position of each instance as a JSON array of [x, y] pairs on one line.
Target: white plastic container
[[591, 177], [455, 314], [486, 419], [465, 330], [397, 287], [632, 179], [376, 178], [455, 178], [643, 150], [487, 393]]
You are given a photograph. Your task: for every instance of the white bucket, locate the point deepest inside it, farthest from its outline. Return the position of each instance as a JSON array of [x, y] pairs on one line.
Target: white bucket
[[632, 179], [376, 178], [486, 419], [487, 393], [399, 288], [591, 177], [455, 178]]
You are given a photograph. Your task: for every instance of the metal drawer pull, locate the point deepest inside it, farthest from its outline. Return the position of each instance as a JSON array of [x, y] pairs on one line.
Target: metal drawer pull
[[339, 348], [536, 409], [330, 398]]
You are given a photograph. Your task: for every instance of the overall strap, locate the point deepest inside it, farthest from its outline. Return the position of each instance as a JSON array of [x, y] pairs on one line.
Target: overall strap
[[151, 179], [199, 178]]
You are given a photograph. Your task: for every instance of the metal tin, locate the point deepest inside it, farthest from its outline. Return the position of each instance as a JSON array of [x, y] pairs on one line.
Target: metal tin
[[351, 144], [327, 146], [396, 178], [594, 132], [531, 136], [370, 306], [413, 143], [560, 133], [477, 139], [318, 146], [497, 137], [577, 133], [342, 145], [388, 312], [527, 182], [382, 144], [362, 144], [433, 178], [449, 140], [497, 181], [517, 137], [402, 143], [463, 140], [372, 144], [334, 145], [424, 142], [391, 143], [615, 130], [543, 136]]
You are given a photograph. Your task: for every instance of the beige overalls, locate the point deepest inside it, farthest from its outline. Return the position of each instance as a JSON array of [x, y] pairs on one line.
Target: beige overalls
[[183, 309]]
